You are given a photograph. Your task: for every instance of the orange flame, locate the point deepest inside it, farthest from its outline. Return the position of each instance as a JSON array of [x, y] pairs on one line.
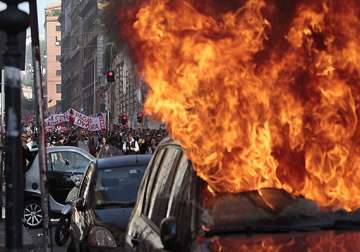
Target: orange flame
[[300, 242], [259, 93]]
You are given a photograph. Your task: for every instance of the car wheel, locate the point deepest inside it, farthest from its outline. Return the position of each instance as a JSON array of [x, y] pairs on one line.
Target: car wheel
[[73, 247], [62, 232], [33, 214]]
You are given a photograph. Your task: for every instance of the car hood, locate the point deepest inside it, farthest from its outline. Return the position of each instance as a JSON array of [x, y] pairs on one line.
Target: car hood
[[344, 241], [114, 217]]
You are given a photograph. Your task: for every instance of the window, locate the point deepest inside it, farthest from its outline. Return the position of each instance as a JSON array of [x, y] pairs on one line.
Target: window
[[57, 41], [161, 191], [118, 184], [67, 161], [58, 28], [180, 202], [58, 88], [150, 180], [180, 189], [84, 188], [58, 72], [58, 57]]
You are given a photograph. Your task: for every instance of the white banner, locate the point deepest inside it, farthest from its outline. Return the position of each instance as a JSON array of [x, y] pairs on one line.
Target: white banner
[[76, 118]]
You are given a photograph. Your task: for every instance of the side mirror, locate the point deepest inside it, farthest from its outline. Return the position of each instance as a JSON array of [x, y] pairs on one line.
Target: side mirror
[[77, 183], [168, 233]]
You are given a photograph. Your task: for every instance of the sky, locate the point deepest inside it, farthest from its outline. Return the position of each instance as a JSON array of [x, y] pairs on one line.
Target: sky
[[41, 14], [41, 4]]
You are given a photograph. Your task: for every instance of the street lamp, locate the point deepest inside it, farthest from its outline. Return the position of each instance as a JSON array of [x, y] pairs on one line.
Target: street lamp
[[13, 21]]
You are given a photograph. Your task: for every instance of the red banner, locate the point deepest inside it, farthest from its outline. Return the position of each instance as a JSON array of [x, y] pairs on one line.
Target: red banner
[[76, 118]]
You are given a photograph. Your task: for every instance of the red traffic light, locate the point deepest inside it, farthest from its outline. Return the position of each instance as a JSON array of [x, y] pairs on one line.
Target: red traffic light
[[110, 76]]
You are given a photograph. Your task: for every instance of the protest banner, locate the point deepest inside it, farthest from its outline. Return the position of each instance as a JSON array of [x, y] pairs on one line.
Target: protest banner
[[76, 118]]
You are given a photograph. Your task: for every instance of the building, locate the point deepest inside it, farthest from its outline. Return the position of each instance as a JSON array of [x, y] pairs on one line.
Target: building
[[53, 53], [71, 55], [87, 53], [122, 97], [82, 54]]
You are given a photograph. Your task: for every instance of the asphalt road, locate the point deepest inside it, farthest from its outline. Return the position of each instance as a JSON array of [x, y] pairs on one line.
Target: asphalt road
[[32, 240]]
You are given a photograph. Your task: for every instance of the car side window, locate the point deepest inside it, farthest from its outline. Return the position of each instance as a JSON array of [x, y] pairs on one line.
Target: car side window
[[84, 188], [67, 161], [161, 190], [180, 189], [151, 179], [179, 203]]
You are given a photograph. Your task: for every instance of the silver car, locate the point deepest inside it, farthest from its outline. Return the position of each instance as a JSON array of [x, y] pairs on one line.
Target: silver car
[[66, 164]]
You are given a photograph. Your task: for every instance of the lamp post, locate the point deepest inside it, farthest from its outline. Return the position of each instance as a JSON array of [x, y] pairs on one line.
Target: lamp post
[[13, 21]]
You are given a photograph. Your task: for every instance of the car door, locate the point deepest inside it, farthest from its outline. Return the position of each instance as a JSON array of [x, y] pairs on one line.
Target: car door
[[137, 223], [78, 222], [157, 200], [180, 204], [63, 167]]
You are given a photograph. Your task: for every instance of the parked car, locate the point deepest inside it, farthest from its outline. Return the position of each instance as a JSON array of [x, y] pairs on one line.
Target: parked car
[[178, 211], [66, 164], [105, 202]]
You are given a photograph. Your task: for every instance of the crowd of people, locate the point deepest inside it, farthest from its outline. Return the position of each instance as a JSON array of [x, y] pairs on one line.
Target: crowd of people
[[106, 144]]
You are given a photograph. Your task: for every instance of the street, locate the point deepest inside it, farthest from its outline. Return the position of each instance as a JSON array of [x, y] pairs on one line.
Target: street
[[31, 239]]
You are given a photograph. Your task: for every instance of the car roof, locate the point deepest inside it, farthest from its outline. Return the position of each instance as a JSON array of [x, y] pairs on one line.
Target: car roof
[[60, 148], [169, 141], [125, 160], [70, 148]]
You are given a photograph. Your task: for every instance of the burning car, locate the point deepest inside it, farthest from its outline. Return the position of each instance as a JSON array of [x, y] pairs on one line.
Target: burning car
[[264, 98], [178, 211]]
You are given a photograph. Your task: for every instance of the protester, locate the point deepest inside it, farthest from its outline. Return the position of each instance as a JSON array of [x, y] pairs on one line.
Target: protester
[[120, 140], [130, 146], [60, 141], [73, 138], [27, 156], [152, 147], [92, 146], [103, 149]]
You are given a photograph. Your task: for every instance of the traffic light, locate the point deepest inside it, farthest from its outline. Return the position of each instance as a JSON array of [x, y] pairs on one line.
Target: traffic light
[[110, 76]]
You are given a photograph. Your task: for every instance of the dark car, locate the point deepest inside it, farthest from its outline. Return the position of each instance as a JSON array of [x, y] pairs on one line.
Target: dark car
[[106, 199], [178, 211]]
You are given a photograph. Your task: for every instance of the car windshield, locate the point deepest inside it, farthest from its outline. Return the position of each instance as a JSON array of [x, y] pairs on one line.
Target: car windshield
[[118, 186], [269, 210]]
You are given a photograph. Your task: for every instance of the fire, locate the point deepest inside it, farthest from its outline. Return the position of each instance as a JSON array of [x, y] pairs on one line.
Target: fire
[[309, 242], [259, 93]]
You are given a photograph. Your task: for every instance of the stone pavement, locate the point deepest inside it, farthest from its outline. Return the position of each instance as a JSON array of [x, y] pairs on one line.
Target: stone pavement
[[31, 240]]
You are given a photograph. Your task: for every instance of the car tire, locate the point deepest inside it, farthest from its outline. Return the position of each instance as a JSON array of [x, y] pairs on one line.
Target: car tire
[[33, 215], [62, 232], [73, 247]]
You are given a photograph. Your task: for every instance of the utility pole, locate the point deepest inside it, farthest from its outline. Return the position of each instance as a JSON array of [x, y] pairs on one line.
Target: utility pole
[[94, 95], [13, 21], [40, 108]]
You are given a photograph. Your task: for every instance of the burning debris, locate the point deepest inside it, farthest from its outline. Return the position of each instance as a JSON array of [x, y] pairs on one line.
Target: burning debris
[[262, 94]]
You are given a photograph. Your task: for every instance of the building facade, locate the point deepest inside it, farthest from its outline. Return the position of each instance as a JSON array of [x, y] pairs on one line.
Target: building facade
[[71, 57], [86, 55], [82, 54], [53, 54], [127, 95]]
